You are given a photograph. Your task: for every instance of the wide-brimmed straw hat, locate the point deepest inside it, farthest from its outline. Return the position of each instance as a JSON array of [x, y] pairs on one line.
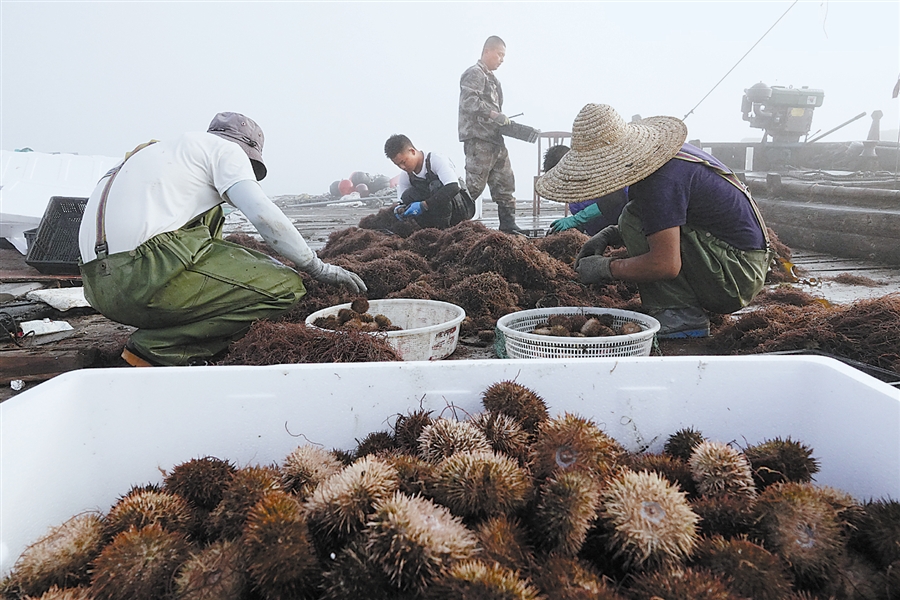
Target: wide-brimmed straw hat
[[248, 135], [607, 154]]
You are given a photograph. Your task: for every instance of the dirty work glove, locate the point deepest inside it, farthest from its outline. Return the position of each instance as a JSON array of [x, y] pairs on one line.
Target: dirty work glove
[[594, 269], [580, 218], [608, 236], [335, 275], [500, 119]]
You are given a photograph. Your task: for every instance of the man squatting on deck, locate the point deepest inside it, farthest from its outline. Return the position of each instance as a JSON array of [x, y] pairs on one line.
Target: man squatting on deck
[[153, 255], [480, 118], [432, 194], [696, 241]]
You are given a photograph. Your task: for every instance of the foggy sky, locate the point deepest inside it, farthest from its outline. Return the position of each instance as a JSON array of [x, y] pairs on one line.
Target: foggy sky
[[329, 82]]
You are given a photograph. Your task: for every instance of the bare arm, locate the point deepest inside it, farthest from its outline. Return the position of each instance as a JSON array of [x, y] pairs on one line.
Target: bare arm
[[662, 262]]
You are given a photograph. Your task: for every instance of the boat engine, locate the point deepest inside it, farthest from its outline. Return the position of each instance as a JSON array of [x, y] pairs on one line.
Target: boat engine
[[785, 113]]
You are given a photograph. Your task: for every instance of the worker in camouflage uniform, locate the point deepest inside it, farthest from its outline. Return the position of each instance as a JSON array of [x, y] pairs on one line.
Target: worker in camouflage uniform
[[480, 119]]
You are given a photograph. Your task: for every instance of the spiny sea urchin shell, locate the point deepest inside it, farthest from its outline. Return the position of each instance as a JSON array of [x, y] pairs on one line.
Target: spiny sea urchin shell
[[414, 541], [306, 467], [648, 518], [568, 578], [340, 506], [137, 510], [504, 434], [375, 442], [778, 460], [214, 573], [478, 484], [408, 428], [566, 507], [246, 487], [728, 516], [680, 584], [676, 470], [475, 580], [876, 531], [279, 556], [414, 473], [573, 443], [681, 443], [58, 593], [795, 521], [200, 481], [754, 572], [352, 574], [719, 469], [503, 539], [517, 401], [61, 557], [445, 437], [139, 564]]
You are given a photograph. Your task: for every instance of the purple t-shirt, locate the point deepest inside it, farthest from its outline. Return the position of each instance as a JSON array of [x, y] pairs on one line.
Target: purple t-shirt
[[682, 192]]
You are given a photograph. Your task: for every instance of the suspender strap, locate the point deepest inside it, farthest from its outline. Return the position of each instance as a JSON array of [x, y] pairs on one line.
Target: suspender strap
[[731, 178], [101, 248]]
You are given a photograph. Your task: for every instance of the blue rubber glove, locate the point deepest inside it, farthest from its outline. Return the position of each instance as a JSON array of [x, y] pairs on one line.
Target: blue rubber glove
[[580, 218], [415, 209]]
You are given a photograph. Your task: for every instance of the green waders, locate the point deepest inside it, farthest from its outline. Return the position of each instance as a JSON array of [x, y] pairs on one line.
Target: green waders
[[714, 275], [189, 293]]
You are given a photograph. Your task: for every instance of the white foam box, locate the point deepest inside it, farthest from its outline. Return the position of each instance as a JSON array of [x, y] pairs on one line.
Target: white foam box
[[82, 439]]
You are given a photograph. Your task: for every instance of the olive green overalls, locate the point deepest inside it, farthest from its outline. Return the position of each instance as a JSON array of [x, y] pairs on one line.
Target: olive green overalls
[[189, 293], [714, 275]]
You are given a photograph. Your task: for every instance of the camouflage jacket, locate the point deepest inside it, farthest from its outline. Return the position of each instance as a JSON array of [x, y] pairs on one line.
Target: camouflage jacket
[[479, 94]]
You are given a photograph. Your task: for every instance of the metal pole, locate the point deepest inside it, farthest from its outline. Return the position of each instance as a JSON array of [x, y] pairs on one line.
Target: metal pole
[[816, 139]]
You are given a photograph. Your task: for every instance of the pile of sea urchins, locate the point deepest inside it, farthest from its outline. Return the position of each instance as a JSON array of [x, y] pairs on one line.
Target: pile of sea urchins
[[509, 503]]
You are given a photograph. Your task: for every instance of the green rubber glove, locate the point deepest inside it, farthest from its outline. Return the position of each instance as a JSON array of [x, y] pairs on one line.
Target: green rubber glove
[[580, 218]]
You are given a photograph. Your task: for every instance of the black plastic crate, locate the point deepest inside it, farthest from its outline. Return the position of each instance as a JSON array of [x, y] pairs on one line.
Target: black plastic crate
[[55, 246]]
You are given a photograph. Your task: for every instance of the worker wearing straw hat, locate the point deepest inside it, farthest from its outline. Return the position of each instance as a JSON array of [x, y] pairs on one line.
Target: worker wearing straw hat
[[695, 239]]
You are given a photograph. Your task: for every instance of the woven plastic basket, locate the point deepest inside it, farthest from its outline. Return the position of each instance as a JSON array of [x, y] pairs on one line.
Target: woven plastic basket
[[430, 329], [515, 340]]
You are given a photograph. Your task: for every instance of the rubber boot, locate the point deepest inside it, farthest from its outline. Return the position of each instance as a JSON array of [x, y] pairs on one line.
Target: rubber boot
[[508, 220], [675, 323]]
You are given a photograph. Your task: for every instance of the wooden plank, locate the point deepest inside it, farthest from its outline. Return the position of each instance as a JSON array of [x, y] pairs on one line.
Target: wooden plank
[[41, 364]]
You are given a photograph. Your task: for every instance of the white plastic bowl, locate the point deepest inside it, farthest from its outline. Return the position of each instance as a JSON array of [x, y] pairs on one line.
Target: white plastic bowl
[[429, 328]]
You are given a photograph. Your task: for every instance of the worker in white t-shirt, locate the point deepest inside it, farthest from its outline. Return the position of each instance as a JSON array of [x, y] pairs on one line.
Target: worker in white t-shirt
[[153, 255], [432, 194]]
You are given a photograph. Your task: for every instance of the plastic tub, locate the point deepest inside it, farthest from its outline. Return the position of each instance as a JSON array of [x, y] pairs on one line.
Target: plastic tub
[[515, 340], [430, 328], [80, 440]]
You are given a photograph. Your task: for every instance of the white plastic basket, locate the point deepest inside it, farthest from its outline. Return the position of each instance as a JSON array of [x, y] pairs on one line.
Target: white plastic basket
[[429, 328], [515, 338]]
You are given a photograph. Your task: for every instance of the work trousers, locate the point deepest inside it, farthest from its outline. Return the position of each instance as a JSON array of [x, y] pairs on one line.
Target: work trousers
[[714, 275], [189, 293], [488, 164]]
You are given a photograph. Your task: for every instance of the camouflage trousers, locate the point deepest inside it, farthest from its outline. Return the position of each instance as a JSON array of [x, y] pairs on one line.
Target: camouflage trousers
[[487, 164]]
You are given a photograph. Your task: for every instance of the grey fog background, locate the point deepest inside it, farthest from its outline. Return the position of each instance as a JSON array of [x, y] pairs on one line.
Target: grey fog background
[[329, 82]]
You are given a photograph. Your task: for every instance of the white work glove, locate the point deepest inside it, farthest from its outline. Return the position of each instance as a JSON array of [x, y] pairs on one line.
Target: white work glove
[[274, 226], [335, 275]]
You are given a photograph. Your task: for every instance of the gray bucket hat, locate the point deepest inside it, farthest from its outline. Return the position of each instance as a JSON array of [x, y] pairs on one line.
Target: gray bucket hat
[[246, 133]]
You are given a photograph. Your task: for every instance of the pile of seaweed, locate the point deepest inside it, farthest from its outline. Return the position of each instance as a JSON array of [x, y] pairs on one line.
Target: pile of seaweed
[[507, 504], [488, 273], [867, 331], [273, 343]]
